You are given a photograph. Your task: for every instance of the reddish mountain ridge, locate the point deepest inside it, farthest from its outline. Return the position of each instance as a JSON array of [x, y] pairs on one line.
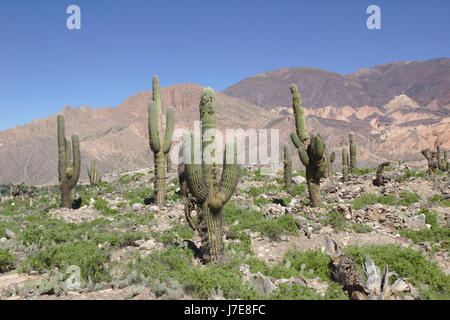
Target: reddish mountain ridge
[[118, 136]]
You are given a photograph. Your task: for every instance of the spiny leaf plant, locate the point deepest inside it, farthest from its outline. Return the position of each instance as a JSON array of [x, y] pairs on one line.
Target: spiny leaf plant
[[210, 191], [158, 144], [312, 153], [68, 167]]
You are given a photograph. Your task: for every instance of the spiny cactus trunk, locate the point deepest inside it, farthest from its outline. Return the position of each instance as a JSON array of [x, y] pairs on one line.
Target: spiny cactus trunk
[[352, 152], [287, 167], [213, 243], [68, 167], [160, 182], [210, 192], [158, 144], [345, 165], [312, 154], [446, 164], [314, 190], [66, 196]]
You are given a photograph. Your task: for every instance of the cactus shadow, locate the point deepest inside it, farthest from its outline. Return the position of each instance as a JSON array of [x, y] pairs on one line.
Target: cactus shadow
[[198, 252], [76, 204], [149, 200]]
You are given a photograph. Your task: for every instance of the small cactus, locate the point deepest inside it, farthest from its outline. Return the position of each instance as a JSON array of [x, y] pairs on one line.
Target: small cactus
[[69, 167], [287, 167], [345, 164], [94, 177], [312, 154], [158, 144], [209, 190], [351, 139]]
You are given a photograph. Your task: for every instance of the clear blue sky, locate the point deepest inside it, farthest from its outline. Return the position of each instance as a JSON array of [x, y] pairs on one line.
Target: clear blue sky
[[123, 43]]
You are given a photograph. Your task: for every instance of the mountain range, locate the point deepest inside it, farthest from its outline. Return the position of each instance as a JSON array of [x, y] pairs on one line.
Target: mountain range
[[395, 110]]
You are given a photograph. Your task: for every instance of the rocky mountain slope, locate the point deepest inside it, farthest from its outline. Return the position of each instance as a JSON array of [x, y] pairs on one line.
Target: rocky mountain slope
[[117, 136], [395, 110], [427, 82]]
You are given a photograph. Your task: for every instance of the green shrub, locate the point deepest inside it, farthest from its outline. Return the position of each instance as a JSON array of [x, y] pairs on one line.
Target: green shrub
[[439, 200], [274, 228], [6, 260], [255, 221], [102, 206], [361, 228], [363, 171], [406, 198], [176, 264], [84, 254], [407, 263], [336, 220]]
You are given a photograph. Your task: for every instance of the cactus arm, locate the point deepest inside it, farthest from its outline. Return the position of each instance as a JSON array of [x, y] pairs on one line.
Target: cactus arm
[[153, 127], [295, 140], [304, 158], [332, 157], [300, 121], [230, 173], [62, 158], [156, 97], [193, 171], [76, 161], [169, 130], [317, 147], [68, 143]]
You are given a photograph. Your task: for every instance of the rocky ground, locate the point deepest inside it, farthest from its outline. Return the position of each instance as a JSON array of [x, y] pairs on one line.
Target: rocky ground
[[128, 248]]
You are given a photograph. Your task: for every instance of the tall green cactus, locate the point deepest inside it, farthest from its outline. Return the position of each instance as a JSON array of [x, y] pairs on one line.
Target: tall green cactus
[[446, 164], [210, 192], [442, 163], [351, 139], [94, 177], [158, 144], [68, 167], [344, 164], [312, 154], [330, 159], [287, 162]]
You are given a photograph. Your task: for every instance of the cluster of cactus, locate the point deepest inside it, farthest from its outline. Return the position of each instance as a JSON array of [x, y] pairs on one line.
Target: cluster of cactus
[[158, 144], [210, 191], [94, 177], [345, 164], [351, 138], [312, 154], [287, 162], [68, 166], [435, 161]]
